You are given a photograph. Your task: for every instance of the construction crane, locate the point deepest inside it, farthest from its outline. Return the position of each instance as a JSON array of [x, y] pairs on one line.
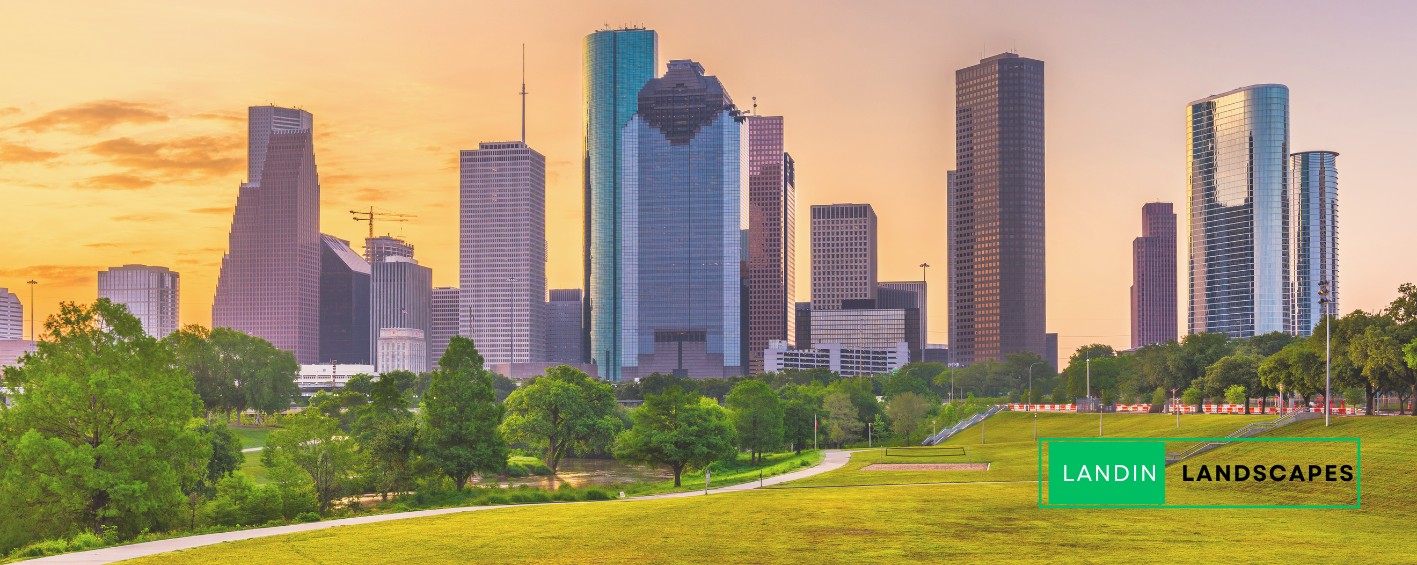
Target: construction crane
[[371, 215]]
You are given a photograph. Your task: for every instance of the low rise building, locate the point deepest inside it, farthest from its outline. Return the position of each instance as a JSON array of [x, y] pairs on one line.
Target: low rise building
[[328, 376], [847, 361], [402, 349]]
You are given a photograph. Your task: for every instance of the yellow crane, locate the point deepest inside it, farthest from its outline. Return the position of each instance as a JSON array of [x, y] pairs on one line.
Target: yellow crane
[[371, 215]]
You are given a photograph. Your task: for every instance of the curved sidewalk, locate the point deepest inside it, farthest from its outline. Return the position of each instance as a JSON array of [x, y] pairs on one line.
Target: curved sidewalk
[[834, 460]]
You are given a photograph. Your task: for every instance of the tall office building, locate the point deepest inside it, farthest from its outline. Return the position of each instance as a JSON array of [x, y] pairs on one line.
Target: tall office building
[[618, 63], [150, 293], [502, 270], [918, 290], [12, 316], [772, 204], [843, 254], [402, 298], [377, 248], [996, 225], [682, 212], [1313, 221], [1154, 276], [447, 314], [344, 304], [802, 338], [563, 326], [269, 284], [402, 349], [1237, 186]]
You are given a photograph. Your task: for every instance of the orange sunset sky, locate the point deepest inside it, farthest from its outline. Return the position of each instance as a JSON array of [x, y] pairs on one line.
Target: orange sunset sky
[[122, 124]]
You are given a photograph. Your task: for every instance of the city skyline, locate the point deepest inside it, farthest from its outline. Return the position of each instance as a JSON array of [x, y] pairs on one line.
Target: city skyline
[[1092, 252]]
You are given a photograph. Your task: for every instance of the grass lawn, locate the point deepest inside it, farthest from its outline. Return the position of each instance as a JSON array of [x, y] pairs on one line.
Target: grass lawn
[[251, 436], [253, 469], [971, 522]]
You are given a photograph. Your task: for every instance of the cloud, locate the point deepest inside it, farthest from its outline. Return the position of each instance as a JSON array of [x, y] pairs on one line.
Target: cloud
[[199, 155], [139, 217], [13, 153], [224, 115], [10, 111], [59, 275], [94, 117], [100, 245], [118, 181], [202, 251], [370, 194], [216, 210], [334, 178]]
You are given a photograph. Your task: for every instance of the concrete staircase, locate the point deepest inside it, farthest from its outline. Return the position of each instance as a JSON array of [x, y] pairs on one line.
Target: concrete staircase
[[1247, 431]]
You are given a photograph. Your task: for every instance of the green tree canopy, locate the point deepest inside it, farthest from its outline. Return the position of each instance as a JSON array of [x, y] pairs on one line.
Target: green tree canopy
[[461, 432], [757, 417], [561, 410], [1241, 369], [315, 444], [657, 383], [678, 429], [843, 422], [908, 413], [234, 371], [801, 411]]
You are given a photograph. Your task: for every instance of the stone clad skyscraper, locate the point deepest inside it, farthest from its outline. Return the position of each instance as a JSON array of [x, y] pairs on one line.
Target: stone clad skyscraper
[[772, 225], [1313, 221], [269, 284], [997, 278], [843, 255], [1154, 276], [618, 63], [1237, 188]]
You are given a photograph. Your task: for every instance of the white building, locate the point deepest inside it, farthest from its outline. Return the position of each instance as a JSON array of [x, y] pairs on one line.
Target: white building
[[502, 267], [846, 361], [843, 254], [150, 293], [12, 315], [328, 376], [402, 349]]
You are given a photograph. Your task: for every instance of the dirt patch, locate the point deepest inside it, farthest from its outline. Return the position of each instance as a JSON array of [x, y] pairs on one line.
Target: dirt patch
[[926, 467]]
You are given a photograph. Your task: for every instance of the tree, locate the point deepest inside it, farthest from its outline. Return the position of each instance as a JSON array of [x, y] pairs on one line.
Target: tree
[[678, 429], [657, 383], [801, 411], [392, 446], [562, 410], [757, 417], [843, 417], [907, 412], [628, 390], [502, 385], [461, 417], [1196, 352], [1192, 397], [98, 435], [234, 371], [1240, 370], [314, 443], [1379, 352], [1234, 394], [225, 459]]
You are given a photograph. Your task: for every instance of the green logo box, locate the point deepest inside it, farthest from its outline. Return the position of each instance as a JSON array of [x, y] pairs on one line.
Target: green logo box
[[1107, 472]]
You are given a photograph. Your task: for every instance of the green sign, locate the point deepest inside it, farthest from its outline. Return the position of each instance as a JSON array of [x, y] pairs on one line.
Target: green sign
[[1106, 472]]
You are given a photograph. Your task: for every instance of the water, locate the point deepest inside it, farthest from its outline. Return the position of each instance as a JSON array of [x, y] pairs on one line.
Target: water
[[581, 473]]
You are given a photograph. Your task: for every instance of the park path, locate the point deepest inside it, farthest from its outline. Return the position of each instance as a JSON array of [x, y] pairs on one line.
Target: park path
[[834, 460]]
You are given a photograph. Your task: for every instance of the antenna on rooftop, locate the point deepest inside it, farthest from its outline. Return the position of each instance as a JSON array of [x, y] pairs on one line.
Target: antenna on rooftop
[[523, 94], [755, 105]]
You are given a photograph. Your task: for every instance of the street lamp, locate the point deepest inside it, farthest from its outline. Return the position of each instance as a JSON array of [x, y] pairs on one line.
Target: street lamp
[[1176, 408], [1029, 403], [953, 368], [1328, 363]]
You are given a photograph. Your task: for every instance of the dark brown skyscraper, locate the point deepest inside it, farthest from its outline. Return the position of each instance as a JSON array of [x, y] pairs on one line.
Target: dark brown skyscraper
[[269, 285], [996, 272], [771, 251], [1154, 276]]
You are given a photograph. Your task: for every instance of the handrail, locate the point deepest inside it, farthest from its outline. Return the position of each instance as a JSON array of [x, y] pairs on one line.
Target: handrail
[[1250, 429], [961, 426]]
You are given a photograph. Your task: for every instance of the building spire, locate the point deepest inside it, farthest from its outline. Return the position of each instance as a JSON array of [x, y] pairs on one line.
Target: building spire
[[523, 93]]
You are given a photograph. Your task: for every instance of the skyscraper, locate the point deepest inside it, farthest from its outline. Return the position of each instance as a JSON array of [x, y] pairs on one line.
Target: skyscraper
[[563, 326], [1237, 188], [345, 330], [12, 315], [843, 254], [772, 204], [1154, 276], [920, 291], [996, 226], [682, 210], [269, 284], [377, 248], [402, 298], [1313, 204], [502, 270], [447, 313], [618, 63], [150, 293]]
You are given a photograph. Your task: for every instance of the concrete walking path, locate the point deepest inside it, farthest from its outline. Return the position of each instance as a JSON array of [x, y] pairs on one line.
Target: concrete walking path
[[834, 460]]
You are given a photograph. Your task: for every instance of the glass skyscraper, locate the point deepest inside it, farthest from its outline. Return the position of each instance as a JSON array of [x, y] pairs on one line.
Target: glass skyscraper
[[1237, 153], [151, 295], [1313, 205], [617, 65], [344, 304], [682, 211]]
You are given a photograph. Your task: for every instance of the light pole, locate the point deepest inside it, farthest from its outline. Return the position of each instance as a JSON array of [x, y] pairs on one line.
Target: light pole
[[923, 266], [33, 336], [1328, 363], [953, 367], [1029, 403], [1176, 407]]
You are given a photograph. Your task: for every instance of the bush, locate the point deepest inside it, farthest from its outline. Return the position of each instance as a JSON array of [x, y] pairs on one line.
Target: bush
[[565, 486], [497, 499], [1159, 397], [307, 517], [597, 494], [564, 496], [540, 469], [517, 471]]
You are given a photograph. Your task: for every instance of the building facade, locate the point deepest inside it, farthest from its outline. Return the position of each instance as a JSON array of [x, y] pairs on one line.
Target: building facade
[[447, 314], [873, 328], [328, 376], [802, 337], [563, 326], [772, 202], [1154, 276], [345, 287], [12, 316], [150, 293], [997, 284], [402, 349], [502, 266], [618, 63], [269, 285], [919, 291], [1313, 224], [681, 221], [1237, 189], [845, 361], [377, 248], [402, 298], [843, 254]]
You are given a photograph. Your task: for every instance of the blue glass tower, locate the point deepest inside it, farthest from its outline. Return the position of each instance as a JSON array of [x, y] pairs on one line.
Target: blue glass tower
[[682, 215], [617, 64]]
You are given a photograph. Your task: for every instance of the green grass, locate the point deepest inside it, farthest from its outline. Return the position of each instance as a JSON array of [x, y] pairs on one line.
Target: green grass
[[251, 436], [917, 524], [253, 469]]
